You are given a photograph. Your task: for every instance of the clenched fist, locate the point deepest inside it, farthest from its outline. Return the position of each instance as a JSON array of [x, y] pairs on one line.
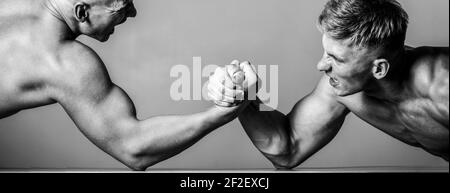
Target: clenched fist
[[230, 85]]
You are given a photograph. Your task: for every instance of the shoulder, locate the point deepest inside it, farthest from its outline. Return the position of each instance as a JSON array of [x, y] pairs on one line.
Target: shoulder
[[80, 70], [429, 59], [430, 56], [430, 72], [77, 56]]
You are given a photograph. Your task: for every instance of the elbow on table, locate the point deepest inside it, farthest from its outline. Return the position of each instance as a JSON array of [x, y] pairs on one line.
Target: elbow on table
[[285, 158], [285, 162], [285, 165], [136, 161], [136, 158]]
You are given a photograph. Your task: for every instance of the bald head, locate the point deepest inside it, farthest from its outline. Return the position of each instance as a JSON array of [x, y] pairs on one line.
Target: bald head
[[109, 3], [95, 18]]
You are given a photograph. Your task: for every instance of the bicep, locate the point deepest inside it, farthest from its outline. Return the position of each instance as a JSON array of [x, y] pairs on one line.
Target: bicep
[[315, 121], [101, 110], [104, 116]]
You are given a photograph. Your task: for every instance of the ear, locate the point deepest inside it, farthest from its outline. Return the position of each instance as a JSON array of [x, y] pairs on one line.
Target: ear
[[380, 68], [81, 12]]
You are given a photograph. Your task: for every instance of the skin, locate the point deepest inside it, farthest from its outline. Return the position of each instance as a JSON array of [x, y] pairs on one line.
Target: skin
[[43, 64], [404, 94]]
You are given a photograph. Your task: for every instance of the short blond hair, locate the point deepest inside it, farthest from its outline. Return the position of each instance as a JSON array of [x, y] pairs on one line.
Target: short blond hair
[[367, 23]]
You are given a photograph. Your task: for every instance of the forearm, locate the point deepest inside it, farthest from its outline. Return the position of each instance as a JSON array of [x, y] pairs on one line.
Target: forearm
[[111, 124], [159, 138], [269, 131]]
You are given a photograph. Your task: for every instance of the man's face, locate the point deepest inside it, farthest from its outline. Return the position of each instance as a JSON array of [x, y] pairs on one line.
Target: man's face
[[348, 67], [107, 14]]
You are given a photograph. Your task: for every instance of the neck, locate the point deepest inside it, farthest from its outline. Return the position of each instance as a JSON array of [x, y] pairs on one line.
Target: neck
[[62, 26], [391, 88], [385, 90]]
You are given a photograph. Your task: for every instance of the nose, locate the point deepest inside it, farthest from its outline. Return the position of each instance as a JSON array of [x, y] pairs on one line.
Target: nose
[[324, 64], [132, 12]]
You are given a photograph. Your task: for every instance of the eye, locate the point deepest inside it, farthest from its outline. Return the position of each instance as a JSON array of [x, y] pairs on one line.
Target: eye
[[329, 58], [333, 59], [336, 62]]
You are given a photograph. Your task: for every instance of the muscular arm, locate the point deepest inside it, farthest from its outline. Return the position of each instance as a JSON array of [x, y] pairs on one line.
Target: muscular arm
[[288, 140], [106, 115]]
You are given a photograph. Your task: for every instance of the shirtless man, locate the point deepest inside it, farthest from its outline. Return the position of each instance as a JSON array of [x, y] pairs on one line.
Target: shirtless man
[[42, 64], [368, 71]]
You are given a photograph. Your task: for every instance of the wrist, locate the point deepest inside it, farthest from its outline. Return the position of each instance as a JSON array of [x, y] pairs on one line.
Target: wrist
[[221, 115], [225, 112], [254, 104], [250, 108]]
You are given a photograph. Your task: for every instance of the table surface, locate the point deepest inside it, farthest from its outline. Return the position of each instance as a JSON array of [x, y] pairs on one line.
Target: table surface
[[391, 169]]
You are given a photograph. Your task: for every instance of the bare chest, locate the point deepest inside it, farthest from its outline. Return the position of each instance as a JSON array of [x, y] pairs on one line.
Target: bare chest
[[413, 121]]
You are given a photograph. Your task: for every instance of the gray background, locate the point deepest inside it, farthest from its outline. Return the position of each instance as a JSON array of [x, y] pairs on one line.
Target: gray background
[[139, 57]]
